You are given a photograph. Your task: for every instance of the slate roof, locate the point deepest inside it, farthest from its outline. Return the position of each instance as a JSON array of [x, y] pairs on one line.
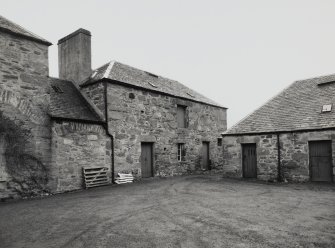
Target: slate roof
[[297, 107], [13, 28], [70, 103], [145, 80]]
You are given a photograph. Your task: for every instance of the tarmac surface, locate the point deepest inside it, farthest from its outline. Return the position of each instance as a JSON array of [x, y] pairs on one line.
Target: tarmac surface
[[190, 211]]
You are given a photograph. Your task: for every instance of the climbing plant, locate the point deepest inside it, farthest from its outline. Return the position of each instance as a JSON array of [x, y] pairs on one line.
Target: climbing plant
[[28, 175]]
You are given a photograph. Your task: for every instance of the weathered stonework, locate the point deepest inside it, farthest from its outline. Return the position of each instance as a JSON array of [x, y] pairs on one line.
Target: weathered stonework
[[294, 154], [136, 116], [74, 146], [24, 127]]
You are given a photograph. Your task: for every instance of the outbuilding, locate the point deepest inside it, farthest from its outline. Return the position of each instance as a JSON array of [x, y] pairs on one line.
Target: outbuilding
[[290, 138]]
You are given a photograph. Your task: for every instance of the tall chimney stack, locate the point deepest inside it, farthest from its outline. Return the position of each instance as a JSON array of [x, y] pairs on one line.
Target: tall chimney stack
[[74, 56]]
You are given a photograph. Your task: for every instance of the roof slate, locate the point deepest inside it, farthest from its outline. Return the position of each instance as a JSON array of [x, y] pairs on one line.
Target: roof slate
[[9, 26], [297, 107], [70, 104], [139, 78]]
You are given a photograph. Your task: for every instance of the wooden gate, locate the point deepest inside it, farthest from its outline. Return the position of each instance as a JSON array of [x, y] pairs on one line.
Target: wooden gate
[[205, 155], [320, 161], [147, 159], [249, 161]]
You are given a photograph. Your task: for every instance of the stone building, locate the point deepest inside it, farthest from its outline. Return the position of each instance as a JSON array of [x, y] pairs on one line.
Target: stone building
[[290, 138], [117, 117]]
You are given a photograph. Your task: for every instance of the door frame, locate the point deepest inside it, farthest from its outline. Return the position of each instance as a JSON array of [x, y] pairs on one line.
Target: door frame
[[331, 160], [208, 155], [245, 144], [152, 158]]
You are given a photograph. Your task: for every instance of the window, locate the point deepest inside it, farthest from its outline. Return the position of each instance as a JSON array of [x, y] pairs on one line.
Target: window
[[181, 116], [181, 152], [219, 141], [326, 108]]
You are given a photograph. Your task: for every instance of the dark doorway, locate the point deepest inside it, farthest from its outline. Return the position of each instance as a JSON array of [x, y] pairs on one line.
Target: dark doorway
[[147, 159], [320, 161], [249, 160], [205, 155]]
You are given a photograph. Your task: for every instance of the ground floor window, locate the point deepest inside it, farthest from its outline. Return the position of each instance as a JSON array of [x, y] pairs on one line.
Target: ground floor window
[[181, 152]]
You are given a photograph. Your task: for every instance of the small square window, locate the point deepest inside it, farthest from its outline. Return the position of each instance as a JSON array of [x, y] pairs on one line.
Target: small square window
[[326, 108], [181, 152], [219, 141]]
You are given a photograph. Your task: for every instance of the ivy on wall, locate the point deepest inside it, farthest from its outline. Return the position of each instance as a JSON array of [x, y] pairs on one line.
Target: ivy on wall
[[28, 176]]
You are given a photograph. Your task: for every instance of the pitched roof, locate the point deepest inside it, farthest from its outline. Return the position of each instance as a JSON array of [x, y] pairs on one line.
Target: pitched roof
[[298, 107], [138, 78], [66, 101], [13, 28]]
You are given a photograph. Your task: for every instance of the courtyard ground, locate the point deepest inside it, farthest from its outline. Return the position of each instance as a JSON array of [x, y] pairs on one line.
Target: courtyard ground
[[192, 211]]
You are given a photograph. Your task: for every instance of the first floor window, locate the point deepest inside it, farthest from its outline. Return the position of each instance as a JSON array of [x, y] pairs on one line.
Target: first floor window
[[181, 152]]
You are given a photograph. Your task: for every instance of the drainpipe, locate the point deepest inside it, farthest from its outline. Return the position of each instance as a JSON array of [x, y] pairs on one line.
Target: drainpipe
[[279, 158], [107, 131]]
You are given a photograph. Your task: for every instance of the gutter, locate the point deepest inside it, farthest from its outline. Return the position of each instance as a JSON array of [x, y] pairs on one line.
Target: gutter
[[279, 132], [56, 118], [109, 134], [279, 178]]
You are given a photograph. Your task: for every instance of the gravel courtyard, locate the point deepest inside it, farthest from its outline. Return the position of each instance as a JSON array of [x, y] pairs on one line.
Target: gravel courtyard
[[192, 211]]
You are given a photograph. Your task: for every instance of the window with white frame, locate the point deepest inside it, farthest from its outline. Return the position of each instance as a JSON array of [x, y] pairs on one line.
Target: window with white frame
[[181, 152]]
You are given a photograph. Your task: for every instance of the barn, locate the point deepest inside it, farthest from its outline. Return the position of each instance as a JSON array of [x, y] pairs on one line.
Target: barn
[[88, 125], [290, 138]]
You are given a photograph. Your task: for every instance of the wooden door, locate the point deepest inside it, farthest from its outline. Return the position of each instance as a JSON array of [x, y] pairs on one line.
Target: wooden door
[[320, 160], [146, 159], [205, 155], [249, 160]]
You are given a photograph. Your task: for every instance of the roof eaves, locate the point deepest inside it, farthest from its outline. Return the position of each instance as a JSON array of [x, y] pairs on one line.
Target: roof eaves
[[277, 131], [143, 88], [42, 41], [98, 122]]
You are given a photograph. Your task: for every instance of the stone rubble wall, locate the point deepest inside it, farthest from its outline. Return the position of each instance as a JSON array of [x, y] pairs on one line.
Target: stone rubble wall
[[74, 146], [294, 154], [24, 102], [95, 92], [136, 116]]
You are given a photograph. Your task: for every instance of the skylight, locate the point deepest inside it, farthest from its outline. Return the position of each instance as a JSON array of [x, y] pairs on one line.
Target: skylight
[[57, 89], [153, 85], [326, 108]]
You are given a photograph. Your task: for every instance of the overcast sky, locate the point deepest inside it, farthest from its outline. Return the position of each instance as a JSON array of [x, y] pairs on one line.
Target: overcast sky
[[239, 53]]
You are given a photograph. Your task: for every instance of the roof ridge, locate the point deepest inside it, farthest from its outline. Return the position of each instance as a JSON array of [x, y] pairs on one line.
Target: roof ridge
[[164, 85]]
